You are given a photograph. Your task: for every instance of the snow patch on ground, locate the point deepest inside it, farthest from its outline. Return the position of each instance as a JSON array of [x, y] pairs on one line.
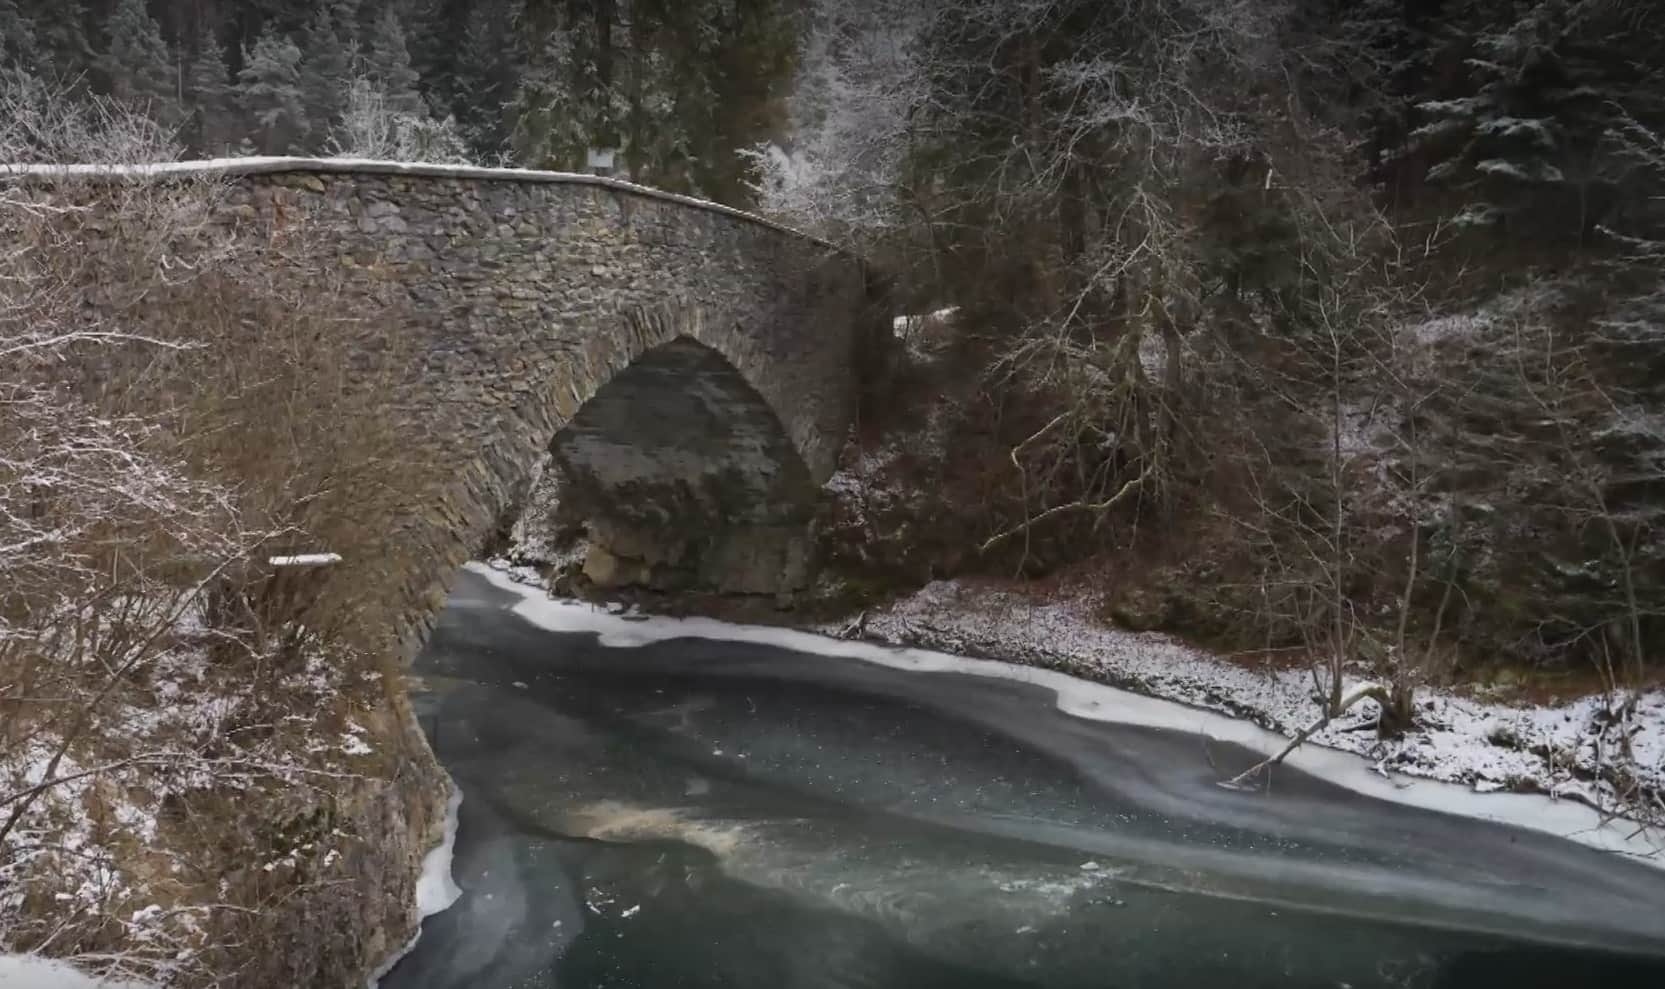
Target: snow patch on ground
[[912, 322], [35, 972], [305, 560], [1183, 689]]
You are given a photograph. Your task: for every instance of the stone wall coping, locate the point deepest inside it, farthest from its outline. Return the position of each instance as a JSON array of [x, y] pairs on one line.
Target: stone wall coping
[[272, 165]]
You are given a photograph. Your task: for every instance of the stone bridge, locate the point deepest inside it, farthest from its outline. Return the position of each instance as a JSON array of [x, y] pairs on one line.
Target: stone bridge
[[691, 370]]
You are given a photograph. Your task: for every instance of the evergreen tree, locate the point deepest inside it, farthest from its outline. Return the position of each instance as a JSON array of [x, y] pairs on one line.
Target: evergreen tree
[[570, 97], [680, 85], [287, 17], [138, 66], [707, 79], [214, 123], [17, 38], [749, 75], [549, 129], [269, 92], [61, 46], [484, 79], [1519, 135], [389, 64], [326, 70], [432, 45]]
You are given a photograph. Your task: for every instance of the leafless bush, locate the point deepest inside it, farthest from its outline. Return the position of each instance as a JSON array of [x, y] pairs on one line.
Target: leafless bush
[[372, 128], [167, 421], [1343, 387], [45, 121], [841, 176]]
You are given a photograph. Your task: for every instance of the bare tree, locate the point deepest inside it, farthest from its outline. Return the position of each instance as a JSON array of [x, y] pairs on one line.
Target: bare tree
[[168, 421], [373, 127], [841, 173]]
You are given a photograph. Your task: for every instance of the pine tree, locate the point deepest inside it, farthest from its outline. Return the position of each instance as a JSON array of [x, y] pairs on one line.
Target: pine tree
[[389, 64], [269, 92], [214, 124], [61, 46], [568, 98], [17, 38], [326, 70], [138, 66], [483, 80], [702, 80], [547, 110], [432, 45], [1520, 135]]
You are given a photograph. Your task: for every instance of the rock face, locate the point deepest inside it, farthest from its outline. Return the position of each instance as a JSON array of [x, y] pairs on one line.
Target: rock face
[[693, 370], [687, 479], [336, 931]]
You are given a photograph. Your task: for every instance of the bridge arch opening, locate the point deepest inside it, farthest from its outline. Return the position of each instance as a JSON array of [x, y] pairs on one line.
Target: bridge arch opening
[[681, 474]]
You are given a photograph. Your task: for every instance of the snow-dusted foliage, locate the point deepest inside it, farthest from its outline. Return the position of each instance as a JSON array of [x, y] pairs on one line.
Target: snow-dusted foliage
[[1641, 317], [861, 81], [40, 121], [167, 695], [1520, 126], [373, 125], [109, 546]]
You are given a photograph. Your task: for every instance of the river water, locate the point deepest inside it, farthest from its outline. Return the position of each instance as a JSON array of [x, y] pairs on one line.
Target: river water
[[701, 813]]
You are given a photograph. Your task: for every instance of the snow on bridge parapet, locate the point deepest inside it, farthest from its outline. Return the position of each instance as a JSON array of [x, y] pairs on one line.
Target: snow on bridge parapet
[[280, 165]]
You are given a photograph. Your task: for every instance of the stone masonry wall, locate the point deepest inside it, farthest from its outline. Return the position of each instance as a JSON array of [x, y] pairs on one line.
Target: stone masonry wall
[[529, 293]]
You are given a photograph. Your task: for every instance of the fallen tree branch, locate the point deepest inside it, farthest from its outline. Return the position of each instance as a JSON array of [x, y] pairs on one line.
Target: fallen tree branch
[[1372, 691]]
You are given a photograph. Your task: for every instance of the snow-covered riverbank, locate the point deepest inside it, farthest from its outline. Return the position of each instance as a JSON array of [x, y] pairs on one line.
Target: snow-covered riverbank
[[1567, 750], [1149, 680]]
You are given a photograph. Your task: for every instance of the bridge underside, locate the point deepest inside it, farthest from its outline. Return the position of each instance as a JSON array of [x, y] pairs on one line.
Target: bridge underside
[[682, 476]]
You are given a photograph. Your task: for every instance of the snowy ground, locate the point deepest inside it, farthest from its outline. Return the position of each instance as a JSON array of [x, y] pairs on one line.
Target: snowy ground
[[93, 846], [1150, 680], [35, 972]]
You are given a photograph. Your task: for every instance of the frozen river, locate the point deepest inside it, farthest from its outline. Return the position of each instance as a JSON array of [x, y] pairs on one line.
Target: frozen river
[[704, 813]]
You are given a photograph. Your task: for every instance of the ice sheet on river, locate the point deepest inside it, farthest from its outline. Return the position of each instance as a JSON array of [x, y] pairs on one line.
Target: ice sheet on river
[[1101, 789], [1099, 702]]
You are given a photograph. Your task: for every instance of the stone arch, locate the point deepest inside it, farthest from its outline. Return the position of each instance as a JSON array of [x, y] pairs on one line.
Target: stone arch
[[679, 469], [512, 297], [643, 330], [761, 546]]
